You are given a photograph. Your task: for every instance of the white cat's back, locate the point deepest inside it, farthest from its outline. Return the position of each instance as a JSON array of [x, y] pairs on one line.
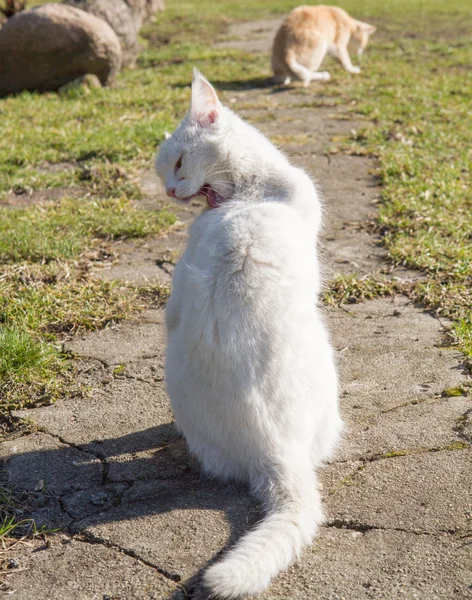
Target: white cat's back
[[244, 263], [249, 342]]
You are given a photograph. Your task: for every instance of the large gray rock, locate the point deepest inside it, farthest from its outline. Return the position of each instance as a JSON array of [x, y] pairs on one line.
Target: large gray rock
[[49, 46], [126, 18]]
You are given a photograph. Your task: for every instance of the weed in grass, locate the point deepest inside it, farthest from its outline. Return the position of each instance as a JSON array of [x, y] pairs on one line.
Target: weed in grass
[[21, 354]]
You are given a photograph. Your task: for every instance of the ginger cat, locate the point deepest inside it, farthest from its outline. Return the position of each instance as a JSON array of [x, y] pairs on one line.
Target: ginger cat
[[311, 32]]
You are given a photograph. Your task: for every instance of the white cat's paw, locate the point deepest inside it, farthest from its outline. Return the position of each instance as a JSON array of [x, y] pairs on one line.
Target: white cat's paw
[[287, 81], [306, 82], [355, 70], [326, 75]]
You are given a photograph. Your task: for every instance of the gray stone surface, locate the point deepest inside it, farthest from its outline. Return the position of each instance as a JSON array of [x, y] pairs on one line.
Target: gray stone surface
[[39, 462], [254, 36], [51, 45], [390, 352], [125, 17], [397, 495], [427, 425], [388, 565], [124, 343], [178, 524], [419, 492], [68, 569], [122, 416]]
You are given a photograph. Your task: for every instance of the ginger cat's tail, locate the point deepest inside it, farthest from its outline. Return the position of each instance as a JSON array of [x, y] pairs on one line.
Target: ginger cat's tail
[[293, 517]]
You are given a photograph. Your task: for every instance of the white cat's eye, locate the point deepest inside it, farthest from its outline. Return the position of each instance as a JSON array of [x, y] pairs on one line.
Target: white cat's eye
[[178, 164]]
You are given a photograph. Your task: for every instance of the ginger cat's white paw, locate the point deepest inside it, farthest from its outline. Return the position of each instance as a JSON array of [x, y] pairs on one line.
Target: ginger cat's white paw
[[355, 70], [326, 75]]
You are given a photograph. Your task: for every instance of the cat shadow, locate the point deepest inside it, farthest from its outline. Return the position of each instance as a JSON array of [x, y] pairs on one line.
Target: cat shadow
[[239, 85], [150, 493]]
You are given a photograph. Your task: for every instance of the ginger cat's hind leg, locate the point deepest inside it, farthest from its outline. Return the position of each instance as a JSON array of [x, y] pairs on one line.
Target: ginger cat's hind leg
[[317, 57], [308, 74]]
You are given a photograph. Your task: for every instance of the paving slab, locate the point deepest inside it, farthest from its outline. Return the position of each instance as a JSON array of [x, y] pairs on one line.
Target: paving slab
[[389, 565], [432, 424], [177, 524], [251, 37], [429, 491], [124, 343], [68, 569], [389, 353], [125, 416], [40, 463]]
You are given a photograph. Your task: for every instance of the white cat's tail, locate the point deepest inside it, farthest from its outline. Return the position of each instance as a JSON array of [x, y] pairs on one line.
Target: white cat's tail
[[293, 517]]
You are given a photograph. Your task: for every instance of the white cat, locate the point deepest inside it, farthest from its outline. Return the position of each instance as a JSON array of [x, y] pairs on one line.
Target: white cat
[[250, 370]]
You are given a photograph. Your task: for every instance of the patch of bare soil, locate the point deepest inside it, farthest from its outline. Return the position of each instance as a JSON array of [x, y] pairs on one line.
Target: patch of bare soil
[[22, 197]]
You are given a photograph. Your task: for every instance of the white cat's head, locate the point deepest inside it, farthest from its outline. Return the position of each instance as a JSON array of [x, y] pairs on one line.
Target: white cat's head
[[193, 160], [361, 35]]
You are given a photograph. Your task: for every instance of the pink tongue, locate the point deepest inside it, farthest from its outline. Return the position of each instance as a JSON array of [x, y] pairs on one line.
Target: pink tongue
[[212, 197]]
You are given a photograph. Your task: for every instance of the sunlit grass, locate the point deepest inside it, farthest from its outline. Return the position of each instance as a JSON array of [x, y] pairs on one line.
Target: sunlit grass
[[28, 368]]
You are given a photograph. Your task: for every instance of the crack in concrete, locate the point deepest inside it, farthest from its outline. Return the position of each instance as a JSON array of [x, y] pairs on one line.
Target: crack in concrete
[[90, 538], [454, 445], [365, 460], [415, 402], [64, 509], [364, 527], [124, 375]]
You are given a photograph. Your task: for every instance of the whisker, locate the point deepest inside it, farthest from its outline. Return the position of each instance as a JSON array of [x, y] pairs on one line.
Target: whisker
[[219, 172], [228, 185]]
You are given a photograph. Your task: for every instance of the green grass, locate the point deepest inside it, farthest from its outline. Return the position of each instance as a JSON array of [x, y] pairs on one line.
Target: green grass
[[27, 364], [62, 230], [39, 306]]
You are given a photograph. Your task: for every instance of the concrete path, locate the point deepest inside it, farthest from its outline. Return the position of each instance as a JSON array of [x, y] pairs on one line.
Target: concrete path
[[136, 519]]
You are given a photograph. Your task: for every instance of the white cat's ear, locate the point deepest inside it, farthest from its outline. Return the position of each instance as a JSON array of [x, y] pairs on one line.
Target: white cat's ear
[[167, 135], [367, 27], [205, 106]]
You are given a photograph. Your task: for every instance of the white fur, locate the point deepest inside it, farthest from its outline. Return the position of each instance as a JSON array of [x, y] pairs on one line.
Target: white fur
[[250, 370]]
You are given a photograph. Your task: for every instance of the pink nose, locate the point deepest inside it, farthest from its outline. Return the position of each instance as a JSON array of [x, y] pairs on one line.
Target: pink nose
[[171, 192]]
